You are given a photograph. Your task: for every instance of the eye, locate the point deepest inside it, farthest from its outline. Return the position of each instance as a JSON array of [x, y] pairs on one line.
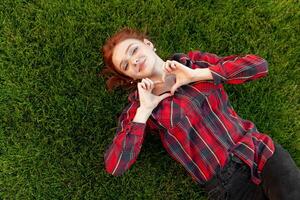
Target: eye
[[134, 50], [126, 66]]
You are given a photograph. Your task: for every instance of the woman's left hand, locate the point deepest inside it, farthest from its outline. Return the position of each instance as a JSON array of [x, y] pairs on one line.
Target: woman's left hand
[[184, 75]]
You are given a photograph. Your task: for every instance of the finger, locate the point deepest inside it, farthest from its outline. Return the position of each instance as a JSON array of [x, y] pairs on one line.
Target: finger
[[173, 65], [178, 65], [174, 88], [164, 74], [146, 84], [167, 66], [164, 77], [156, 82], [143, 85], [140, 86], [165, 71], [149, 80], [151, 83], [163, 96]]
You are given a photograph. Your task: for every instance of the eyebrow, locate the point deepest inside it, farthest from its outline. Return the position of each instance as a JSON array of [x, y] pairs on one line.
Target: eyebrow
[[125, 53]]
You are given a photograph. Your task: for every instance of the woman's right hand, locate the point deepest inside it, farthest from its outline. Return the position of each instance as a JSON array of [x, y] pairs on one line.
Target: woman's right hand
[[148, 100]]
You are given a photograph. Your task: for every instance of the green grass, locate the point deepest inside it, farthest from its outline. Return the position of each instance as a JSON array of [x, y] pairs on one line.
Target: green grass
[[57, 119]]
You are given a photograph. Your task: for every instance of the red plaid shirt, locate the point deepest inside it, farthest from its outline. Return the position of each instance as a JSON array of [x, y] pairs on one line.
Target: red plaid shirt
[[197, 126]]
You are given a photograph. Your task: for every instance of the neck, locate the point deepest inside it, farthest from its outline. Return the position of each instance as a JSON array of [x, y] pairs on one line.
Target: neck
[[157, 75]]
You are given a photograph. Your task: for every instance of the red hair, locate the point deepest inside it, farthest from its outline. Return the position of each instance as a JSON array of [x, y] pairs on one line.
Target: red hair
[[115, 78]]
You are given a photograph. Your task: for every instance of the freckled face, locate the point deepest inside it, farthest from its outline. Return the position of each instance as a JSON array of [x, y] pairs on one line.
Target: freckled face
[[134, 58]]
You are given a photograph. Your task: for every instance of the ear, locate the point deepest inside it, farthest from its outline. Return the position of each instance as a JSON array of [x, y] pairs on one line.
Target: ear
[[147, 42]]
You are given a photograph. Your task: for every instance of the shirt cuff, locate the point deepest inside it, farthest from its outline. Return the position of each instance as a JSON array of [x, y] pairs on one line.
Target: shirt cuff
[[137, 128], [217, 78]]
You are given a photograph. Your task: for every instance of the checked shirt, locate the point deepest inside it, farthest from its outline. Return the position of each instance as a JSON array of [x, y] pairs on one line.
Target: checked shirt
[[198, 126]]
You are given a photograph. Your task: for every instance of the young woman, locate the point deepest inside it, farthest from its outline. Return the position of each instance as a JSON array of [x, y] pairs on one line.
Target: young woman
[[183, 99]]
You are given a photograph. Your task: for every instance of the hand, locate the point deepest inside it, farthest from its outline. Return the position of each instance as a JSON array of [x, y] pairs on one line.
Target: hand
[[184, 75], [148, 100]]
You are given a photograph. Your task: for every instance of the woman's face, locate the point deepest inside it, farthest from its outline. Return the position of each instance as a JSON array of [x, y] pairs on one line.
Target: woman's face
[[134, 58]]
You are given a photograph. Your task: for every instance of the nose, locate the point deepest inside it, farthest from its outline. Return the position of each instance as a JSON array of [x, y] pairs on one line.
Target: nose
[[134, 60]]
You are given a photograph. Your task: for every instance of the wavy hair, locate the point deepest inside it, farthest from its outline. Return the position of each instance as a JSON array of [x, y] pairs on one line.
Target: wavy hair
[[114, 78]]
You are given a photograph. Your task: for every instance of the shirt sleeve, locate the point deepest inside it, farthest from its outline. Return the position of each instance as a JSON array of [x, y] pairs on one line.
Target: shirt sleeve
[[234, 69], [127, 143]]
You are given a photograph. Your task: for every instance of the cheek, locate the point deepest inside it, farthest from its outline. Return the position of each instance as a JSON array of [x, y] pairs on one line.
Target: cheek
[[150, 62], [130, 73]]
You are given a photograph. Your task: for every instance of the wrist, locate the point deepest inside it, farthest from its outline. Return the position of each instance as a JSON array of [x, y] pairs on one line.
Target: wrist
[[146, 111], [142, 115], [202, 74]]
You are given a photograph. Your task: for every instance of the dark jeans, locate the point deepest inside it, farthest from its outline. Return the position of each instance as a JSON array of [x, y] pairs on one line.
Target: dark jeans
[[280, 180]]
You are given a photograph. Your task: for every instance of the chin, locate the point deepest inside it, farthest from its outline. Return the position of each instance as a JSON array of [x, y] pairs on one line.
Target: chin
[[149, 69], [148, 74]]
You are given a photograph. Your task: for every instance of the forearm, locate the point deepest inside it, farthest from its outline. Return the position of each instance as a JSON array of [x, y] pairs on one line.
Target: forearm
[[234, 69], [142, 115], [123, 151], [202, 74], [127, 142], [239, 70]]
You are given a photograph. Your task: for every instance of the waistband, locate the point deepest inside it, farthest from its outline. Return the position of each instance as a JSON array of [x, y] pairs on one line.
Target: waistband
[[224, 174]]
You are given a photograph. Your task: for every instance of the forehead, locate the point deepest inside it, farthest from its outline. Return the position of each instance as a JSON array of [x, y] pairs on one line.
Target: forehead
[[119, 50]]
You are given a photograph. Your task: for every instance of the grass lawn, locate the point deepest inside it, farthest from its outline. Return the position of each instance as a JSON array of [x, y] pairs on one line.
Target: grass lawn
[[57, 119]]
